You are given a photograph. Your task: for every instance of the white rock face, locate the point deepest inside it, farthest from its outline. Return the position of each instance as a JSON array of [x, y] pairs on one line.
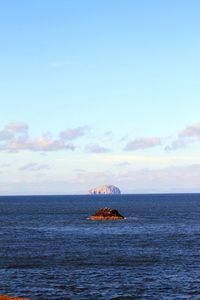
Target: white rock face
[[105, 190]]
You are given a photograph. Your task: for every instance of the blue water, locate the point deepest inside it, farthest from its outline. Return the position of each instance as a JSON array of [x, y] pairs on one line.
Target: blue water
[[50, 250]]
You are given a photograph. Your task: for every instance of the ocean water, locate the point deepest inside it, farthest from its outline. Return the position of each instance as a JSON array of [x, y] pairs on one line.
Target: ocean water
[[50, 250]]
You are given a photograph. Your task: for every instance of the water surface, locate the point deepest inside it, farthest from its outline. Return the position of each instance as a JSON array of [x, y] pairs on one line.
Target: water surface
[[50, 250]]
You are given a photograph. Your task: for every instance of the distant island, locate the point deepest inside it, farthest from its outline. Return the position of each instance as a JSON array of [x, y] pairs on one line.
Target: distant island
[[105, 190]]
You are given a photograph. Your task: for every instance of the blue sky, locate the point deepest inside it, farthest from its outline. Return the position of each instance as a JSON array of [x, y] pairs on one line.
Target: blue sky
[[96, 92]]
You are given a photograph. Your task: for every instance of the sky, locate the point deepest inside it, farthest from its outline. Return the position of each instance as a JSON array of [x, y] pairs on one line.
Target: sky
[[99, 92]]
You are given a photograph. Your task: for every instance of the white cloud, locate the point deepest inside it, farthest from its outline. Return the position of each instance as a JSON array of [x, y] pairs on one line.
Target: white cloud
[[187, 136], [74, 133], [179, 143], [5, 165], [79, 170], [143, 143], [17, 127], [123, 164], [34, 167], [17, 130], [38, 144], [14, 137], [95, 148], [191, 131], [108, 135], [164, 180]]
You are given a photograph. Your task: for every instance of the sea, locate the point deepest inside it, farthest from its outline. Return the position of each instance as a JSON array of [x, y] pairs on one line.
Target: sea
[[49, 249]]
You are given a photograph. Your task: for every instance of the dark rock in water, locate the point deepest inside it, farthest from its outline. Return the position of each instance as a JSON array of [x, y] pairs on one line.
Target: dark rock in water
[[106, 214]]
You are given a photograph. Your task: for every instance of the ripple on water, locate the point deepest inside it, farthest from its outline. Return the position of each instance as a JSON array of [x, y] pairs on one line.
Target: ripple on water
[[50, 250]]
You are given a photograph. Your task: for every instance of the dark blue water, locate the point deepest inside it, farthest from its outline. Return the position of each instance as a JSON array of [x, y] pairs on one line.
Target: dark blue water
[[50, 250]]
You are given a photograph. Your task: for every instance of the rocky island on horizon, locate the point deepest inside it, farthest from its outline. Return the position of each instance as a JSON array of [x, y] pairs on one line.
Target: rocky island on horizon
[[105, 190]]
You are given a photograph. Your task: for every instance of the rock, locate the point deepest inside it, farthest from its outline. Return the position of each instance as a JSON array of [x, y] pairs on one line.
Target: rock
[[105, 190], [106, 213]]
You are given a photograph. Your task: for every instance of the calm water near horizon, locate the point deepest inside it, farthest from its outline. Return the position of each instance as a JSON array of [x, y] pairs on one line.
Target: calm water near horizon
[[50, 250]]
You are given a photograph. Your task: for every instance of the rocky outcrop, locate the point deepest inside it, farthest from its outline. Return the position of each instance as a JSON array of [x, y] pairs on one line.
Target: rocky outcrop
[[106, 213], [105, 190]]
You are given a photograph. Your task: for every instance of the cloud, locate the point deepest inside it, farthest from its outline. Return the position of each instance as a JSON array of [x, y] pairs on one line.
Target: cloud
[[123, 164], [108, 135], [14, 130], [79, 170], [166, 180], [191, 131], [177, 144], [163, 180], [143, 143], [124, 138], [39, 144], [14, 137], [34, 167], [74, 133], [5, 165], [187, 136], [17, 127], [95, 148], [39, 185]]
